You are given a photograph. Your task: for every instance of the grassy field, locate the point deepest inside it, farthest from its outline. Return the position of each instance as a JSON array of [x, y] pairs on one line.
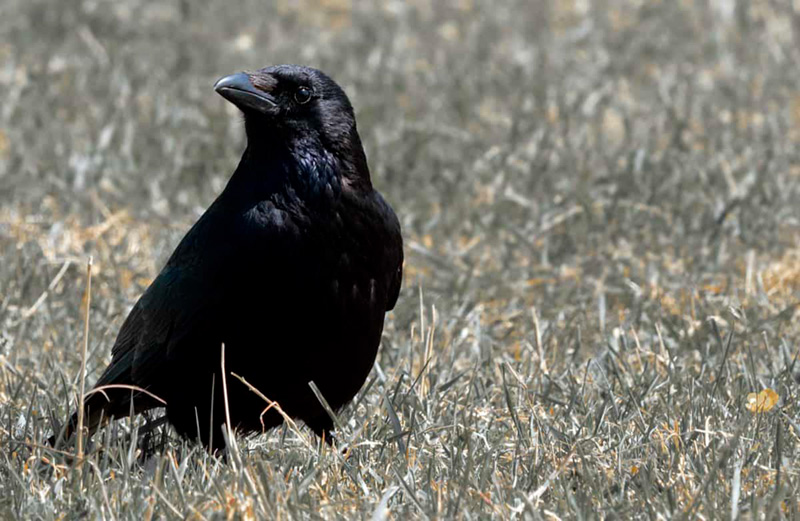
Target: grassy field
[[601, 207]]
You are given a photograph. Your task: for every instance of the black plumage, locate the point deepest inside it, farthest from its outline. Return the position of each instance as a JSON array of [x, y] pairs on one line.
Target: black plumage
[[293, 267]]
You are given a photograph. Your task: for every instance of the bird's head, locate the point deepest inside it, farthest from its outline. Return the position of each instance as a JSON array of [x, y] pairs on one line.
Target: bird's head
[[296, 106]]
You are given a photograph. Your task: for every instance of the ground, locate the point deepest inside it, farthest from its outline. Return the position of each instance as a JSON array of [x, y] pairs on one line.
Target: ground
[[601, 209]]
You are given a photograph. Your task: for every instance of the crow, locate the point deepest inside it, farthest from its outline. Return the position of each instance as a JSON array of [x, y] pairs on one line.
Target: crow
[[292, 268]]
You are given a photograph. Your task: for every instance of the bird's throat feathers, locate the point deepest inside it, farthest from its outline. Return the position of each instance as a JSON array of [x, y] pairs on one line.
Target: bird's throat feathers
[[309, 171]]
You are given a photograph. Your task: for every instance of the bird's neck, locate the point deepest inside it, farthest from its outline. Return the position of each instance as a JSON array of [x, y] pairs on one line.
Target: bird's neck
[[310, 173]]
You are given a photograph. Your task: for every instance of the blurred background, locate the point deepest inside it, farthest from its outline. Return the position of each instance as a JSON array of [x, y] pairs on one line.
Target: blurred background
[[616, 165]]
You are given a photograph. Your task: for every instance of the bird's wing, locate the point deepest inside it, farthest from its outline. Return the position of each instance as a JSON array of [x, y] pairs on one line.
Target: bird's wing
[[119, 371], [394, 285], [167, 311], [393, 241], [183, 308], [171, 308]]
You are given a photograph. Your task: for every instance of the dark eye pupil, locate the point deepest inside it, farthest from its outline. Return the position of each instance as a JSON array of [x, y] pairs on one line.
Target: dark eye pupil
[[302, 95]]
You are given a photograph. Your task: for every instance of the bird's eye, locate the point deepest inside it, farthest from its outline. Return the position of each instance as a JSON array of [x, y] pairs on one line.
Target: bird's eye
[[302, 95]]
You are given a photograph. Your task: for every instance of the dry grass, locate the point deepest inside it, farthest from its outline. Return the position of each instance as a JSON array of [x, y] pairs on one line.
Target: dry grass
[[601, 205]]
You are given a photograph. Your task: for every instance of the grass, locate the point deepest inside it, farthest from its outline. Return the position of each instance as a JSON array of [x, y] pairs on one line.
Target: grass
[[601, 207]]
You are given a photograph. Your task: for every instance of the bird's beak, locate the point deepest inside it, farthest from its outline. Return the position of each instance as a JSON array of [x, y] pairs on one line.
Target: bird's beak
[[239, 90]]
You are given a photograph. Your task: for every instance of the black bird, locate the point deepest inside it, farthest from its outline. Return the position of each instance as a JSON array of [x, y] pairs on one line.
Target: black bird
[[292, 267]]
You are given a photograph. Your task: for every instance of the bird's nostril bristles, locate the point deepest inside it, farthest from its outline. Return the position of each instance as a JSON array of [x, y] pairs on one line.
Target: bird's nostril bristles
[[263, 82]]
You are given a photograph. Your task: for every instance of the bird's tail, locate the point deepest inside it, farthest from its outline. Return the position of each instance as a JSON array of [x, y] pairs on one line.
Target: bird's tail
[[113, 396], [97, 408]]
